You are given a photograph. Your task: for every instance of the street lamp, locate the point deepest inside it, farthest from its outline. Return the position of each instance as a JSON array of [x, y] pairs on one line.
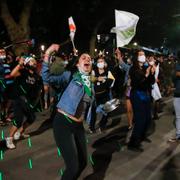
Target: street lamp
[[98, 37], [42, 47]]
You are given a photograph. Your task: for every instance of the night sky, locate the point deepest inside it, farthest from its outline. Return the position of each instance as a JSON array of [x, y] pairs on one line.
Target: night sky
[[49, 20]]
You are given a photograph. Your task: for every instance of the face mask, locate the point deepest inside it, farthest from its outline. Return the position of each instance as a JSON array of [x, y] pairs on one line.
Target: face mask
[[151, 63], [142, 59], [2, 57], [66, 62], [100, 65]]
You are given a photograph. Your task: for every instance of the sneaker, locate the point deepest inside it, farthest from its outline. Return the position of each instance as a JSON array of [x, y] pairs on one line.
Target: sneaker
[[174, 139], [25, 135], [9, 143], [17, 135]]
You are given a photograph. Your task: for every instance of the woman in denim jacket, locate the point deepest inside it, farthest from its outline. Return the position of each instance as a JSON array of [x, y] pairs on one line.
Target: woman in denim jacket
[[73, 107]]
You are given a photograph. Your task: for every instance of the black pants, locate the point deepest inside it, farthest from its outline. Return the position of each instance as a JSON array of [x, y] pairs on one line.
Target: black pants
[[22, 109], [70, 139]]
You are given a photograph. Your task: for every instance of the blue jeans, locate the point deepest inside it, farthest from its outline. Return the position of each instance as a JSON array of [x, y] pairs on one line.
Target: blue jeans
[[142, 118], [177, 114]]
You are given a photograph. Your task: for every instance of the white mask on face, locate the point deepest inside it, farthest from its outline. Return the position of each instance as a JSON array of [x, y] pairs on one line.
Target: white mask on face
[[100, 65], [66, 62], [142, 59], [2, 56], [151, 63]]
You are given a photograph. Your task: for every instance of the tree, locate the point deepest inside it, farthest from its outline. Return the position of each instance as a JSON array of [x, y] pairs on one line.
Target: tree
[[17, 31]]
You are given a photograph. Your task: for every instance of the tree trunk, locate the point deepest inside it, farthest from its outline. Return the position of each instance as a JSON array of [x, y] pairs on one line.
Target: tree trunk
[[17, 31]]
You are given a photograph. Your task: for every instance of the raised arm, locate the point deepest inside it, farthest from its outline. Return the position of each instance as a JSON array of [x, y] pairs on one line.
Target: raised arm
[[46, 76]]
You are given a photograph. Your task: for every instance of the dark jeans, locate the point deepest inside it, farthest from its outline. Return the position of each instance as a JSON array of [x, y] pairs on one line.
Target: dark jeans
[[70, 139], [142, 119], [22, 109]]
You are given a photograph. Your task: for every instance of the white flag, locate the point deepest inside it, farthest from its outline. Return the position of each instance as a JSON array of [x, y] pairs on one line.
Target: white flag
[[72, 28], [125, 29]]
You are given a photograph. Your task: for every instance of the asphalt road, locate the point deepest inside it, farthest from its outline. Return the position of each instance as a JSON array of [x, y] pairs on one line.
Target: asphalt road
[[37, 158]]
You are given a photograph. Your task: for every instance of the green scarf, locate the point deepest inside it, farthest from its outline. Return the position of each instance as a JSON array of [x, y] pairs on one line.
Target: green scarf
[[85, 80]]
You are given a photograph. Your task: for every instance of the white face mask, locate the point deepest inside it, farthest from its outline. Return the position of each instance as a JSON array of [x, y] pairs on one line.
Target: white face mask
[[2, 56], [66, 62], [100, 65], [151, 63], [142, 59]]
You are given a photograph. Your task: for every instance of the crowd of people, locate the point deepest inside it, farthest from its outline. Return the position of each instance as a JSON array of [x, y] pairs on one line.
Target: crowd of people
[[77, 89]]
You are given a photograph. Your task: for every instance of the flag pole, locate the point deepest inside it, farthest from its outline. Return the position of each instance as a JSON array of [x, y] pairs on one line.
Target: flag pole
[[73, 44]]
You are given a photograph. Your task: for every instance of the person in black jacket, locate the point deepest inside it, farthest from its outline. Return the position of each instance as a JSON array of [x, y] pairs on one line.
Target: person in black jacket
[[142, 78]]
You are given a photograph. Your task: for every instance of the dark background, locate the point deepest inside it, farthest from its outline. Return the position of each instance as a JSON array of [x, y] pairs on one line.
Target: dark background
[[158, 25]]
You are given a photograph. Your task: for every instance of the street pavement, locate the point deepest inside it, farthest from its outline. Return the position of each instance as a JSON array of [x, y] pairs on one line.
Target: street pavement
[[37, 158]]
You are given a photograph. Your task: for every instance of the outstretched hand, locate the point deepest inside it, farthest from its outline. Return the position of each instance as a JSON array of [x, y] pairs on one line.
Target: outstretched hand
[[52, 48]]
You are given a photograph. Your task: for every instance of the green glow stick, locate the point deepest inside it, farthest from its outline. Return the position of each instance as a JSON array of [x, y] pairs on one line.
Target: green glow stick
[[59, 152], [14, 122], [1, 176], [38, 110], [31, 106], [1, 157], [2, 135], [2, 84], [30, 163], [91, 160], [23, 89], [61, 172], [29, 142]]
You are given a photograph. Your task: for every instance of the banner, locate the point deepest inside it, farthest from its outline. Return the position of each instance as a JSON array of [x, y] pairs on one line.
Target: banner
[[125, 28]]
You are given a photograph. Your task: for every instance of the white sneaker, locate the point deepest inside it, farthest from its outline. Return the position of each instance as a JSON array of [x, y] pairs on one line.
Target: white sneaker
[[17, 135], [25, 135], [9, 143]]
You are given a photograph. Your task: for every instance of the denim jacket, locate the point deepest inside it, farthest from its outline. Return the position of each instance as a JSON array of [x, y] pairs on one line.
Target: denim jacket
[[73, 93]]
